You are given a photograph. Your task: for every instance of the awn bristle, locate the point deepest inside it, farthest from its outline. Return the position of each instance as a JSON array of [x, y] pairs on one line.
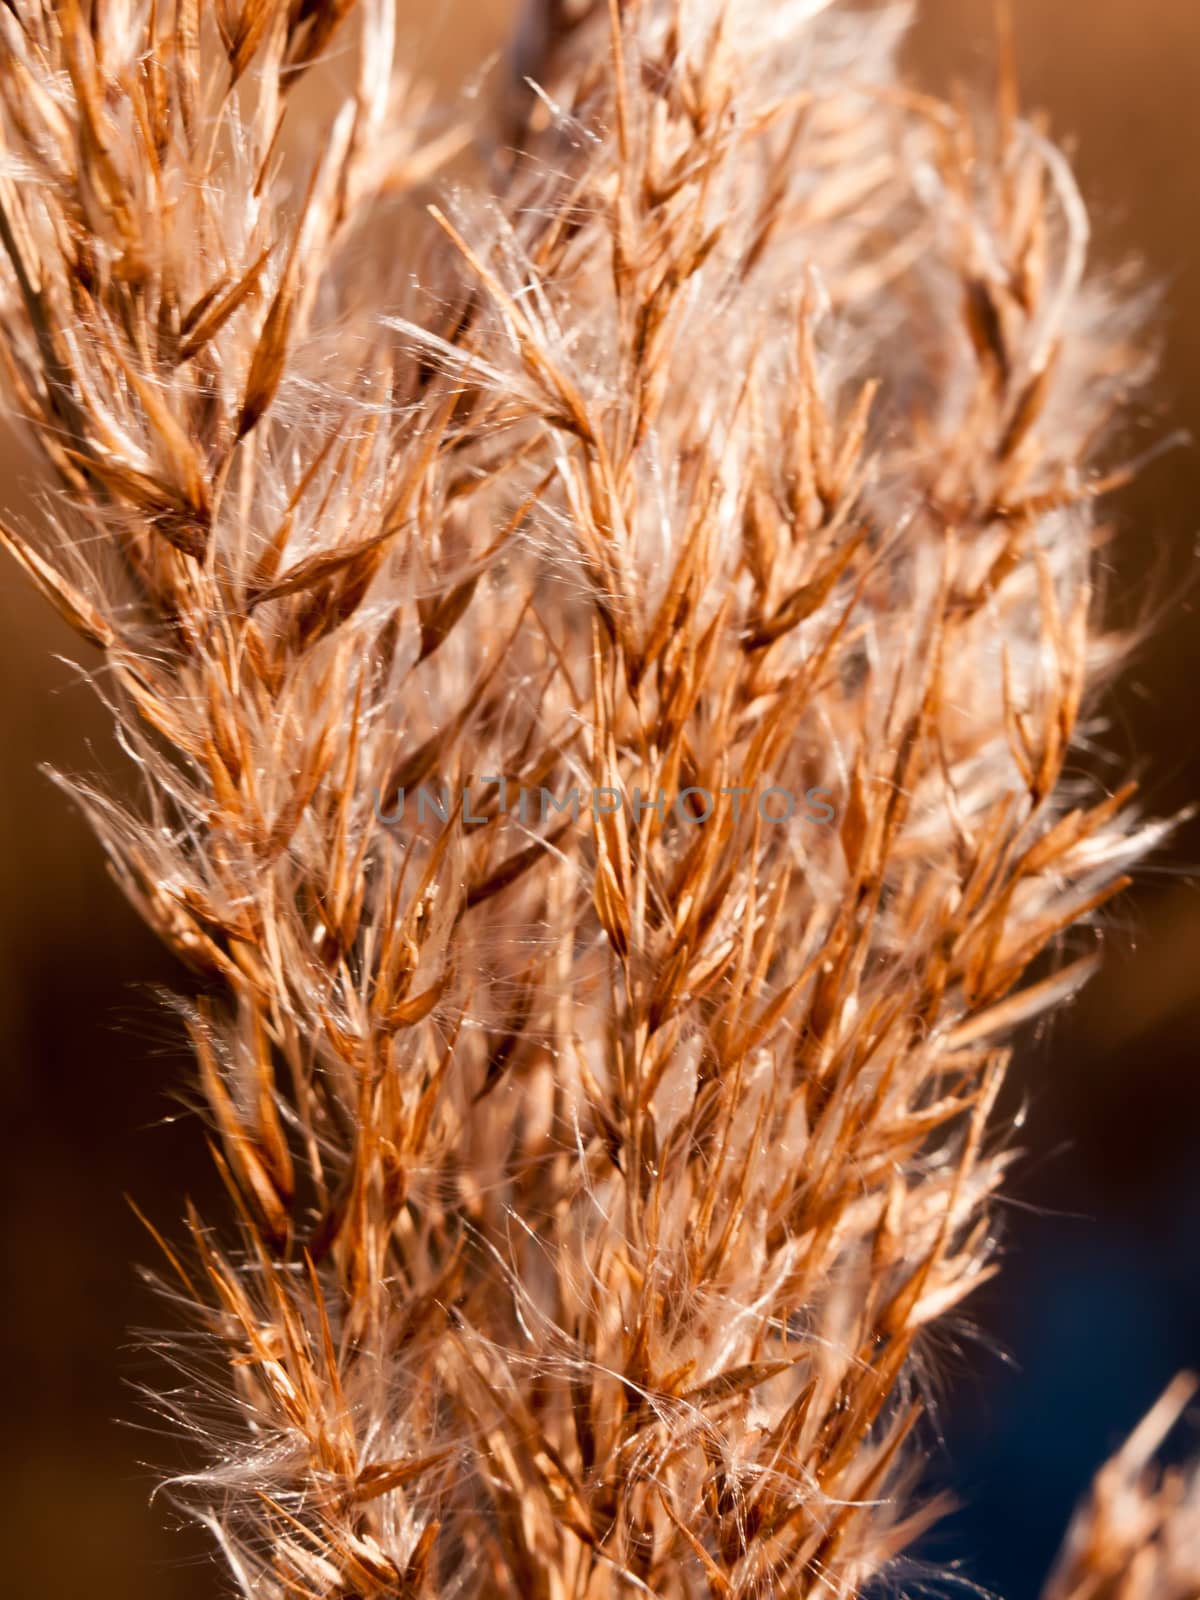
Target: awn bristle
[[597, 1181]]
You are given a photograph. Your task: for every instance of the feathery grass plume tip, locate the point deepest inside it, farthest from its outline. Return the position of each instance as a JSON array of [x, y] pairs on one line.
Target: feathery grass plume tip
[[1138, 1535]]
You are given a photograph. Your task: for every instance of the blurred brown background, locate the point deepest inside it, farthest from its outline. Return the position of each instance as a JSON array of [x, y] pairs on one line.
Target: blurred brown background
[[1101, 1301]]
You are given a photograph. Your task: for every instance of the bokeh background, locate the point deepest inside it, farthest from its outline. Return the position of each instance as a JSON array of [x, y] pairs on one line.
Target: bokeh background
[[1100, 1303]]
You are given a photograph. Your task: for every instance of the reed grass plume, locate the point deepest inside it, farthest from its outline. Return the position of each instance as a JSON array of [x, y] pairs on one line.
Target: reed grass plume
[[598, 1179]]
